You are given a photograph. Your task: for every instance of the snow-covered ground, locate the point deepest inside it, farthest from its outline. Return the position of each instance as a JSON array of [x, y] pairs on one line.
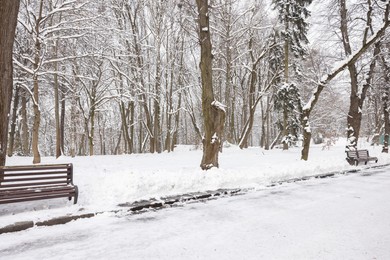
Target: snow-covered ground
[[106, 181], [347, 217]]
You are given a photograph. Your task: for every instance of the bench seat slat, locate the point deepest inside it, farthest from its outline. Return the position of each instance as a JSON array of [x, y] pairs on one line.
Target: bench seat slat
[[16, 174], [36, 194], [7, 189], [5, 192], [35, 168], [32, 191], [31, 184], [42, 197], [37, 178]]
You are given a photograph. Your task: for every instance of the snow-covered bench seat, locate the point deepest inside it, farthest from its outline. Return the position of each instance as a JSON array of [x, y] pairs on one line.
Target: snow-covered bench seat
[[354, 157], [37, 182]]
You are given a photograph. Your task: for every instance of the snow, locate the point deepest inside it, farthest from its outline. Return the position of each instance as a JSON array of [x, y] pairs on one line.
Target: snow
[[302, 220], [219, 105], [214, 138], [309, 104]]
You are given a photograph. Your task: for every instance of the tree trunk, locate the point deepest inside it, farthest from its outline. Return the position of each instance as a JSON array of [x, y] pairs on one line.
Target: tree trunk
[[24, 125], [74, 115], [385, 101], [265, 124], [286, 80], [169, 111], [57, 106], [252, 107], [36, 123], [213, 113], [13, 122], [62, 121], [306, 132], [285, 131], [91, 134], [132, 123], [354, 114], [267, 135], [8, 19], [177, 121], [253, 100], [262, 135], [37, 112], [125, 127], [286, 44], [157, 100], [356, 100]]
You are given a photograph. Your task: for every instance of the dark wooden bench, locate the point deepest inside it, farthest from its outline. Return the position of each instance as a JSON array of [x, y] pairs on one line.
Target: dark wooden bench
[[357, 156], [36, 182]]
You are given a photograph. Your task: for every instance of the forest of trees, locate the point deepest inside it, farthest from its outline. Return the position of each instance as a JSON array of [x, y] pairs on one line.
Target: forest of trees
[[99, 77]]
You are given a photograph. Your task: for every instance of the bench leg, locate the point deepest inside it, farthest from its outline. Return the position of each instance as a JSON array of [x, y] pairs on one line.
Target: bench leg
[[76, 196]]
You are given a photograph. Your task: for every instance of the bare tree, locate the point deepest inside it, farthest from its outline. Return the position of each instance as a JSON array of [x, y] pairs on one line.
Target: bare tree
[[213, 112], [356, 101], [351, 59]]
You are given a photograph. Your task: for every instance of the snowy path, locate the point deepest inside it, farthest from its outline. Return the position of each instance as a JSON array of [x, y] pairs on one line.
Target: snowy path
[[347, 217]]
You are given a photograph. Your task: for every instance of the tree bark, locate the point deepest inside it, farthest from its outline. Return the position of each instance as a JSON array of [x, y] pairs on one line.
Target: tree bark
[[177, 121], [385, 101], [62, 121], [125, 127], [24, 125], [285, 130], [57, 105], [8, 19], [91, 134], [37, 112], [169, 111], [354, 114], [213, 113], [286, 78], [13, 122]]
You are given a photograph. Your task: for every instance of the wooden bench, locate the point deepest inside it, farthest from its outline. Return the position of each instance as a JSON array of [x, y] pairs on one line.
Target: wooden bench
[[36, 182], [357, 156]]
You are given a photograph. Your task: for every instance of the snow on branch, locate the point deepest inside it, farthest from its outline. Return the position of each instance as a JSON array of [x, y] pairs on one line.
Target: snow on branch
[[340, 66], [219, 105]]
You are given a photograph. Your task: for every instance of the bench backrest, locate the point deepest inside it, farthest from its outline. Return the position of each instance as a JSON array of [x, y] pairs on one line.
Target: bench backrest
[[12, 177], [352, 154], [363, 153]]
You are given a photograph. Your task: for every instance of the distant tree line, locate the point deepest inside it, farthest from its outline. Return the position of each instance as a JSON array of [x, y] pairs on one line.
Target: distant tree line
[[123, 77]]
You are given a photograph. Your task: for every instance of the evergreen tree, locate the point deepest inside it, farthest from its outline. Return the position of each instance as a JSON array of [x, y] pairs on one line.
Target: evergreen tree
[[292, 15], [288, 101]]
